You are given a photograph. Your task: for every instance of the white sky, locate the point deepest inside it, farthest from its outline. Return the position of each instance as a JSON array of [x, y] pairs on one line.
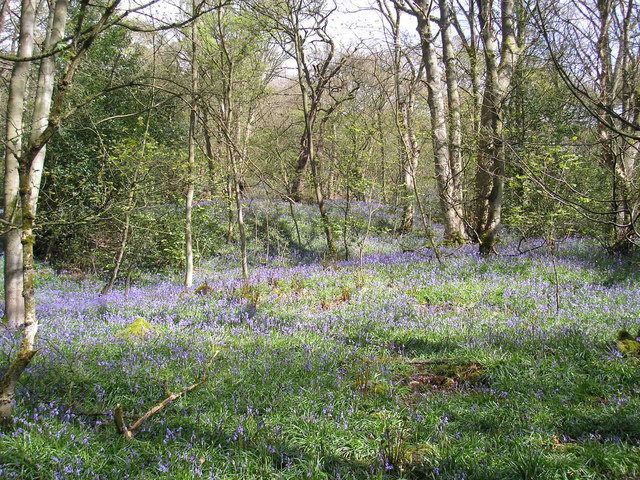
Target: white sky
[[357, 20]]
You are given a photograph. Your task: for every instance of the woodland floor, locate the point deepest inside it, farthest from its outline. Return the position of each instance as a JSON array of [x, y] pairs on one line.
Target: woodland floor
[[494, 368]]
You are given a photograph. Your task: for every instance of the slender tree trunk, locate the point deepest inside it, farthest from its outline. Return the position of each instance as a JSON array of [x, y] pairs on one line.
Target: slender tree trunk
[[231, 216], [476, 74], [324, 214], [237, 192], [4, 9], [383, 157], [13, 256], [615, 85], [208, 143], [123, 243], [296, 190], [193, 118], [403, 112], [454, 122], [410, 159], [132, 192]]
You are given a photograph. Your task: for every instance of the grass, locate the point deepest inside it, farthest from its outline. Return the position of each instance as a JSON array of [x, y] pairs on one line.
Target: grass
[[410, 369]]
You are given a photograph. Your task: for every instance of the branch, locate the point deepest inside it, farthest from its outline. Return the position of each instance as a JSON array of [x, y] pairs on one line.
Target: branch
[[580, 93], [128, 433]]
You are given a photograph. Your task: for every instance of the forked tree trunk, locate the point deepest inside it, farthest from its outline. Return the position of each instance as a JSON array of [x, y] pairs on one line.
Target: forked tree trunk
[[297, 187], [29, 189], [29, 173], [490, 170], [439, 136]]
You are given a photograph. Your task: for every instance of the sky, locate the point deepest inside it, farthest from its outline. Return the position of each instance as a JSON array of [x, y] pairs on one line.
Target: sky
[[357, 20]]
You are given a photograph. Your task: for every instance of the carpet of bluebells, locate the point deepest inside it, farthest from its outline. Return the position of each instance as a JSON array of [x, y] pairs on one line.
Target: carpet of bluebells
[[400, 367]]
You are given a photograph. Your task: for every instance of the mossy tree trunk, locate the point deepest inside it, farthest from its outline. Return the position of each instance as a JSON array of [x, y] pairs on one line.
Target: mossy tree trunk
[[491, 160], [14, 303]]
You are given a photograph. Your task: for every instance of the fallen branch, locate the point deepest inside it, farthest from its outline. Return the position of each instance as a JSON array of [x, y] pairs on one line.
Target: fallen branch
[[129, 432]]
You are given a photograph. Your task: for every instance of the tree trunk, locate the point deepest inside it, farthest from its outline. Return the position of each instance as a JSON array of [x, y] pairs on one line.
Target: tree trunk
[[410, 159], [620, 154], [454, 122], [29, 190], [123, 244], [490, 169], [439, 135], [3, 12], [191, 164], [13, 256], [296, 190], [324, 214]]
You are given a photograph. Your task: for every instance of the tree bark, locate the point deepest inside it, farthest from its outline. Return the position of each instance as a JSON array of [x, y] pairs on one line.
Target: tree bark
[[191, 161], [439, 134], [490, 170], [28, 188], [454, 122], [616, 86], [410, 159], [13, 256]]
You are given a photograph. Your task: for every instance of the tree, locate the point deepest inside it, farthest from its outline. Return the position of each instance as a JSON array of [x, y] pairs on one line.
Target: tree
[[300, 28], [238, 62], [13, 283], [24, 163], [446, 167], [595, 48], [191, 161], [405, 81], [500, 58]]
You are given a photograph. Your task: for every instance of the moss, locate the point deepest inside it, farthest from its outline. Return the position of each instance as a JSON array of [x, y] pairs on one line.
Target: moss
[[624, 335], [138, 329], [627, 344], [29, 240], [629, 347], [203, 289]]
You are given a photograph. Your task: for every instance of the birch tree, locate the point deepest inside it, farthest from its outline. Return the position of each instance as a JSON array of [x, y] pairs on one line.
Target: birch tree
[[446, 170], [24, 162], [14, 303]]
